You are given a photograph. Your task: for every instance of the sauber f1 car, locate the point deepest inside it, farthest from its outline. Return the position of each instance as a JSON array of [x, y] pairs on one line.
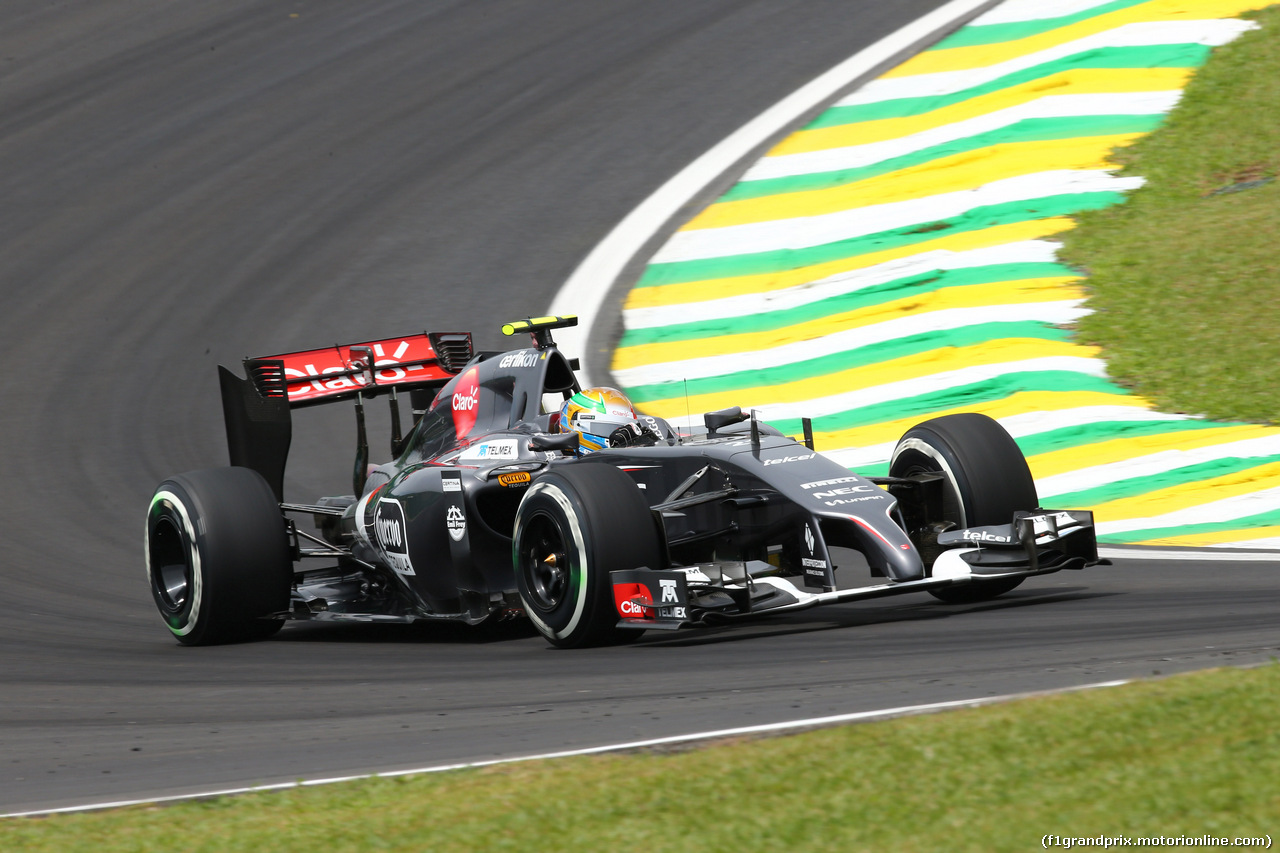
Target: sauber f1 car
[[496, 504]]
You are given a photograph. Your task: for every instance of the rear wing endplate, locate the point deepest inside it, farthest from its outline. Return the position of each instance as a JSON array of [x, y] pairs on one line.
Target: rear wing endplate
[[256, 409]]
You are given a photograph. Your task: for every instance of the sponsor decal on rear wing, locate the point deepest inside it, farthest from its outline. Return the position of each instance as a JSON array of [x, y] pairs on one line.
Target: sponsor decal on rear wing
[[332, 373]]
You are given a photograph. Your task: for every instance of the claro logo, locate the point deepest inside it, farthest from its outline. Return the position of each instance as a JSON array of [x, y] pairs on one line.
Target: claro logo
[[625, 597], [466, 396]]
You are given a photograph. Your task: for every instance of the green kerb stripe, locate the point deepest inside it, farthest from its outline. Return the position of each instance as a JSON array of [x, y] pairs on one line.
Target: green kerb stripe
[[996, 388], [1152, 56], [878, 470], [790, 259], [1092, 433], [972, 36], [1027, 130], [1076, 436], [1164, 480], [848, 360], [1262, 519], [927, 281]]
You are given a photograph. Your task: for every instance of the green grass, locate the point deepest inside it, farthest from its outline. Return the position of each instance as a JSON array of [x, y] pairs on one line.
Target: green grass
[[1185, 278], [1191, 754]]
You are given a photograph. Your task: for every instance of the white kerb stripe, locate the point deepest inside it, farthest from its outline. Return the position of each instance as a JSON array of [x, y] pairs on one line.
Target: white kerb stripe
[[1020, 11], [1270, 542], [1019, 426], [1227, 509], [907, 388], [1156, 463], [805, 232], [1034, 423], [1054, 313], [1212, 33], [1053, 106], [1023, 251]]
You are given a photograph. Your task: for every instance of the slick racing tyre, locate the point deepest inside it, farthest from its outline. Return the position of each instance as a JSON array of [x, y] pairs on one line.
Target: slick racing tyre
[[575, 526], [218, 558], [987, 479]]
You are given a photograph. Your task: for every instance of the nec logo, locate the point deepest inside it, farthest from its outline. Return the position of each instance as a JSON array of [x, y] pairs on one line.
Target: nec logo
[[843, 490]]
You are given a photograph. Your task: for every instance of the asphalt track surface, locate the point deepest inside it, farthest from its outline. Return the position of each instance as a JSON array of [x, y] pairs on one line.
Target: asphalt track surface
[[184, 184]]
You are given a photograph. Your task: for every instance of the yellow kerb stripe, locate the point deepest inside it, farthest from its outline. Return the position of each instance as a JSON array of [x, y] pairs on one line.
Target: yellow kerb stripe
[[1175, 498], [1084, 81], [980, 56], [1117, 450], [720, 288], [959, 172], [1195, 540], [1019, 292], [1020, 403], [868, 376]]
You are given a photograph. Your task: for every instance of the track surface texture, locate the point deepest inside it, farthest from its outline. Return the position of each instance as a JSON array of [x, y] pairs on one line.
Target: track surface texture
[[185, 184]]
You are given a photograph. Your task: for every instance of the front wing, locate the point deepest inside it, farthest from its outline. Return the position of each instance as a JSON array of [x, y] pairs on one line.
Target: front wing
[[1033, 543]]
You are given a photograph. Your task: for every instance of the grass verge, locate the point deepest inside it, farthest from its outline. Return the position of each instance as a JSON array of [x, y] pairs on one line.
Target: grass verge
[[1185, 277], [1188, 755]]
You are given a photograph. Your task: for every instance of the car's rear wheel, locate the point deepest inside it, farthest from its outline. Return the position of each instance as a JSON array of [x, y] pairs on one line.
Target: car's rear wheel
[[575, 526], [218, 556], [986, 479]]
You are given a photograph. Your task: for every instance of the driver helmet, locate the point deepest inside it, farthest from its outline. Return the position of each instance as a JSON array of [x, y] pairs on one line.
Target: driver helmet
[[602, 417]]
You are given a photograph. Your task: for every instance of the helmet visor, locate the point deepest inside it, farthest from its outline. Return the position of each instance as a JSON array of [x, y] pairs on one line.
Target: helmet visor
[[602, 425]]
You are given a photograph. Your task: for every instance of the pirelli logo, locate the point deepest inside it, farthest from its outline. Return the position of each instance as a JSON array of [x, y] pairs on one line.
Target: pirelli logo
[[512, 479]]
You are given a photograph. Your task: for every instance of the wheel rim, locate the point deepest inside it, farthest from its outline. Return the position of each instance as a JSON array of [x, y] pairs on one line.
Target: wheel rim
[[544, 563], [171, 573], [952, 508]]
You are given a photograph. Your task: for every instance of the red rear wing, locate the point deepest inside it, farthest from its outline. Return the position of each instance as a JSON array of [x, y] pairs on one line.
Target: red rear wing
[[337, 372]]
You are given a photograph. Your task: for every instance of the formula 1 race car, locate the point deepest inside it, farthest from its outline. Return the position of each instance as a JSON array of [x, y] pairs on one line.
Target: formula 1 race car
[[517, 493]]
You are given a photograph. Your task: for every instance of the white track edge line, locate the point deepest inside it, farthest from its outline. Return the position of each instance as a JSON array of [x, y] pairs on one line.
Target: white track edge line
[[1219, 555], [718, 734], [588, 286]]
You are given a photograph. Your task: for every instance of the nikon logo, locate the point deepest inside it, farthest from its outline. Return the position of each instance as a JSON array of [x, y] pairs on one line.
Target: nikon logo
[[527, 358]]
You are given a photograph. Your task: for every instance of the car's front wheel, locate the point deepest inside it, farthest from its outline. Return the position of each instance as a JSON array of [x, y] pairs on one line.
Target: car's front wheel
[[574, 526], [217, 556], [986, 479]]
